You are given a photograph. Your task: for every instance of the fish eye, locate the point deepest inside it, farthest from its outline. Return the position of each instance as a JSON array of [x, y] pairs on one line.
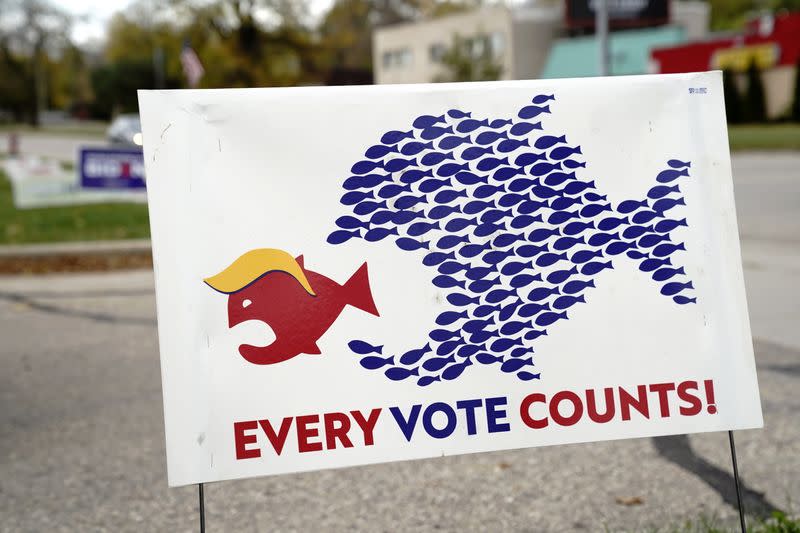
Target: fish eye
[[246, 303]]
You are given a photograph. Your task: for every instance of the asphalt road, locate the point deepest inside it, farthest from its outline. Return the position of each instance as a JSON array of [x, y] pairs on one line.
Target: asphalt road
[[60, 147], [82, 449]]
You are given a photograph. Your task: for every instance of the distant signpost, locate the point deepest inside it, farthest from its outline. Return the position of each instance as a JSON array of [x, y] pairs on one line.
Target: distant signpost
[[111, 168]]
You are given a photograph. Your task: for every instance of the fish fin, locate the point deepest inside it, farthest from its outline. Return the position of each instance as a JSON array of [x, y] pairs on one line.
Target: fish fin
[[313, 349], [358, 293]]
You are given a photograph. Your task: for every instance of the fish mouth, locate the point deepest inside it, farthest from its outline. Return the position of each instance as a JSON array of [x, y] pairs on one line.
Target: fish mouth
[[261, 354]]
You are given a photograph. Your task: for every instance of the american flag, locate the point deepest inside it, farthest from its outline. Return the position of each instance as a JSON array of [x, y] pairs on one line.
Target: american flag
[[192, 67]]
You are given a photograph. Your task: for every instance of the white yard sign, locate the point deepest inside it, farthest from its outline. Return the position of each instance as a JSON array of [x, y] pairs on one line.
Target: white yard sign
[[367, 274]]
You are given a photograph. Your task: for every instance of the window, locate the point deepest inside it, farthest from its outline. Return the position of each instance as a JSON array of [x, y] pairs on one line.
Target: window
[[497, 44], [436, 52], [397, 58]]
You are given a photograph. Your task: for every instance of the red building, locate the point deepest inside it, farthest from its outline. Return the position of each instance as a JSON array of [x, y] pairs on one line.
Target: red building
[[772, 42]]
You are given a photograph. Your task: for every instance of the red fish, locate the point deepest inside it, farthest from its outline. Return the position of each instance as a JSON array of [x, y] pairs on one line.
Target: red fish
[[298, 318]]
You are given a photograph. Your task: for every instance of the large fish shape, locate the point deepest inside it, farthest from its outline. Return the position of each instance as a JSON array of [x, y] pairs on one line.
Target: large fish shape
[[517, 238]]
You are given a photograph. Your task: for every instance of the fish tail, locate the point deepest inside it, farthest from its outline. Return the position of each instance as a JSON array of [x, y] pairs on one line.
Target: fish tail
[[358, 293]]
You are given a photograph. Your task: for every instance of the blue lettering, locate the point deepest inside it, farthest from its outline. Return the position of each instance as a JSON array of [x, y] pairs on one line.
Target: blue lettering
[[469, 407], [427, 420], [406, 426], [493, 414]]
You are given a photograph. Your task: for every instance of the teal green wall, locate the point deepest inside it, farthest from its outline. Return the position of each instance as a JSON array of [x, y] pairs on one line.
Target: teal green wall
[[630, 52]]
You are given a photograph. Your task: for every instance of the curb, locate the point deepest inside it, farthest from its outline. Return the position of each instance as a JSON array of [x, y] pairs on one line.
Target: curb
[[89, 256]]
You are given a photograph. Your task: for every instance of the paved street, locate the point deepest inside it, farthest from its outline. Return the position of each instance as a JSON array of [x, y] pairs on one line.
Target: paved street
[[82, 442], [60, 147]]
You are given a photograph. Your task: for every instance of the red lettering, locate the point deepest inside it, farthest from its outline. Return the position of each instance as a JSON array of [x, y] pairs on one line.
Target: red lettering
[[695, 405], [626, 401], [591, 406], [332, 432], [577, 413], [276, 439], [243, 440], [525, 413], [367, 426], [304, 433], [663, 400]]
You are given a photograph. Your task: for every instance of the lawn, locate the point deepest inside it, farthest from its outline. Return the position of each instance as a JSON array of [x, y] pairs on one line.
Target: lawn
[[764, 137], [71, 223]]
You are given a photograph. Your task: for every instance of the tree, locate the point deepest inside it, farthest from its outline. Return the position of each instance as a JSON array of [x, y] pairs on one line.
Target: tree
[[755, 105], [29, 31], [733, 101], [470, 60]]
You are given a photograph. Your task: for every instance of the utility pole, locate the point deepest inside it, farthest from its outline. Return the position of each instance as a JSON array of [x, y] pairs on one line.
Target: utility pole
[[601, 32]]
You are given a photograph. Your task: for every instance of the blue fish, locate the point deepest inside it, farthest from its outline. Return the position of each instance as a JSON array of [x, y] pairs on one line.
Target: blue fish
[[474, 152], [353, 197], [563, 152], [546, 141], [426, 121], [394, 137], [529, 158], [488, 137], [414, 175], [504, 173], [448, 169], [415, 147], [374, 362], [489, 163], [412, 356], [434, 258], [404, 217], [667, 225], [456, 113], [577, 286], [453, 141], [523, 128], [404, 243], [629, 206], [392, 190], [457, 224], [471, 124], [435, 132], [433, 184], [340, 236], [662, 190], [376, 234], [512, 365], [421, 228], [379, 150], [536, 224], [398, 373], [348, 222], [557, 178], [364, 348], [542, 98], [532, 111], [408, 201], [367, 207], [468, 178], [396, 165], [675, 287], [666, 176], [442, 211]]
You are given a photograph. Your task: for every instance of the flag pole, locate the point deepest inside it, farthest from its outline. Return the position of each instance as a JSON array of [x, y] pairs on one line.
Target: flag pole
[[736, 482], [203, 508]]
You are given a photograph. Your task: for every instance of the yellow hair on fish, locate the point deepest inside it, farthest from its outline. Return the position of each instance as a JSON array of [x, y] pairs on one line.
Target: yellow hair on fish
[[253, 265]]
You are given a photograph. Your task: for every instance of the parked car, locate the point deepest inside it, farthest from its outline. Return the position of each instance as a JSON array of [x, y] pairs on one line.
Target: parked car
[[125, 130]]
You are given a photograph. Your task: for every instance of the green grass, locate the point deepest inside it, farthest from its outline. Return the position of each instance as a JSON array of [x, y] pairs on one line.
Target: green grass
[[764, 137], [778, 523], [83, 129], [70, 223]]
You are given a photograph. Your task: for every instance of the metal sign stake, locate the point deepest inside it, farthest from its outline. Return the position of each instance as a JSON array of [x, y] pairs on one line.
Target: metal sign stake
[[736, 482], [203, 508]]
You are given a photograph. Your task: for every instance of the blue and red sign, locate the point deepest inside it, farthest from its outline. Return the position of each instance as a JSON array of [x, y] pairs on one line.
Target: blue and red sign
[[111, 168]]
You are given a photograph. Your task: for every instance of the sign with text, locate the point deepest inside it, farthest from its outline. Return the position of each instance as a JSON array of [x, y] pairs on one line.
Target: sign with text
[[366, 274], [621, 13], [111, 168]]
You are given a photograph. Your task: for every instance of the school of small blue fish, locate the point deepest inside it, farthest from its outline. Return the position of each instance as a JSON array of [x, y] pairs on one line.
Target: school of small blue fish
[[516, 236]]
